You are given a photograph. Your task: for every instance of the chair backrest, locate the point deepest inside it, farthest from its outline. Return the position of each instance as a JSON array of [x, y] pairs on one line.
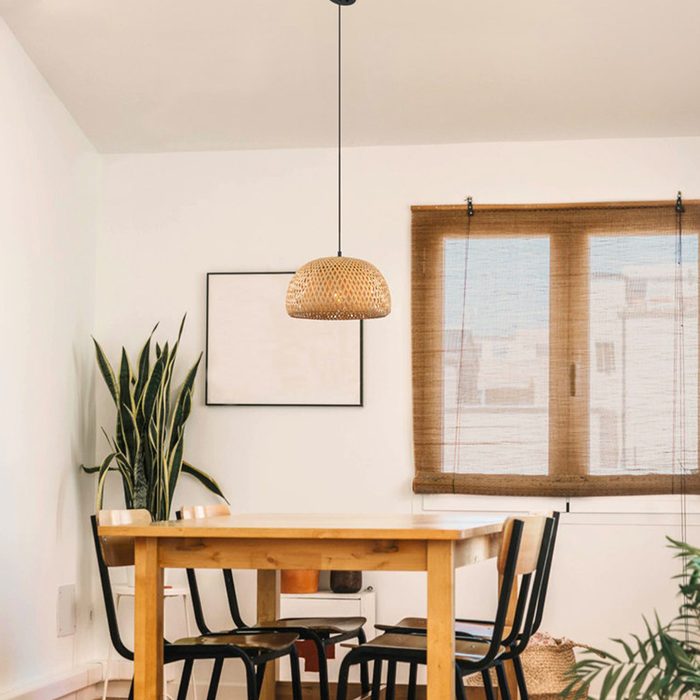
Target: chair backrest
[[195, 513], [214, 510], [523, 551], [119, 551], [530, 542], [546, 573], [532, 590], [115, 551]]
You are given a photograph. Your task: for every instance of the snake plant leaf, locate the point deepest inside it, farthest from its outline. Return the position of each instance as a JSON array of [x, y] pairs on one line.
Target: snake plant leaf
[[143, 366], [175, 467], [183, 402], [147, 446], [204, 479], [153, 388], [106, 371], [96, 469], [140, 496], [176, 345], [125, 417], [104, 470]]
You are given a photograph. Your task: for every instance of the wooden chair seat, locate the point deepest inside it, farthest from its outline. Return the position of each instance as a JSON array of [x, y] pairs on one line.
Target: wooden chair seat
[[248, 642], [322, 632], [320, 625], [464, 650], [465, 628], [480, 646]]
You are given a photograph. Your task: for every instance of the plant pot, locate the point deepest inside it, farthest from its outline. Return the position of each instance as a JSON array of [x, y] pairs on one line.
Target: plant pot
[[299, 581], [346, 581]]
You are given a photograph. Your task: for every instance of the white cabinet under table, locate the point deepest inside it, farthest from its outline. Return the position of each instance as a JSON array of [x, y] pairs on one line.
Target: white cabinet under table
[[329, 604]]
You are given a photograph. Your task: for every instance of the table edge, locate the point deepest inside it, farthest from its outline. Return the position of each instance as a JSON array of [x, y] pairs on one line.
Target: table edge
[[156, 531]]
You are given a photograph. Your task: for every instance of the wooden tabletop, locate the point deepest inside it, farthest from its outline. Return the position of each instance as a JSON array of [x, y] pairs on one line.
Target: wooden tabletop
[[298, 526]]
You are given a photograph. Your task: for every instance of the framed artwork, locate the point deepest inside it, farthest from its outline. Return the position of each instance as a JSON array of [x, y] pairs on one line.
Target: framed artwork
[[256, 355]]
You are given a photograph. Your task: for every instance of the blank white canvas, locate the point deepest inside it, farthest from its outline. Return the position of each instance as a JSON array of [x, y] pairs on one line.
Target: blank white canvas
[[257, 354]]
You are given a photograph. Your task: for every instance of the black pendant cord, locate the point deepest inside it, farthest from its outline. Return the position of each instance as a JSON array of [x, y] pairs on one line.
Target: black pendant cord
[[340, 127]]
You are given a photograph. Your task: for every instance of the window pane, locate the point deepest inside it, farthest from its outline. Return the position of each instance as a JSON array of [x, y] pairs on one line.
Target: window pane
[[636, 387], [496, 367]]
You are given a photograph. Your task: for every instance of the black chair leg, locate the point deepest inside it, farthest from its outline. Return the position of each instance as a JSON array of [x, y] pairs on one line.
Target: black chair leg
[[296, 674], [323, 687], [342, 691], [459, 685], [260, 677], [364, 666], [376, 679], [390, 681], [250, 679], [215, 678], [131, 690], [185, 680], [503, 689], [412, 681], [488, 685], [520, 677]]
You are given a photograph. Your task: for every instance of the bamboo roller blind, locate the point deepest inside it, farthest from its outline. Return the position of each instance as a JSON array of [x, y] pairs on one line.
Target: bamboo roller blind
[[555, 349]]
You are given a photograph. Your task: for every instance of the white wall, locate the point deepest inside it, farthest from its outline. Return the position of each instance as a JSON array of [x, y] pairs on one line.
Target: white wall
[[48, 180], [170, 218]]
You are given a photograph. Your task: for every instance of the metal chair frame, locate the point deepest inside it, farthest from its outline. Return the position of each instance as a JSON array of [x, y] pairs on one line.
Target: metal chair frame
[[517, 641], [414, 657], [320, 639], [253, 662]]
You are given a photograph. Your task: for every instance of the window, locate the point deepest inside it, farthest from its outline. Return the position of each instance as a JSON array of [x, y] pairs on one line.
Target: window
[[555, 349]]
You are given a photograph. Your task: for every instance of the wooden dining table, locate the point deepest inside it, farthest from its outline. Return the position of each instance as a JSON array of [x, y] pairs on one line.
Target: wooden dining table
[[435, 544]]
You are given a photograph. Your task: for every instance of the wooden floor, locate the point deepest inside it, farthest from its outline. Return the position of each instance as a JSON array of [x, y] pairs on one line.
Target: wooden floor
[[310, 692]]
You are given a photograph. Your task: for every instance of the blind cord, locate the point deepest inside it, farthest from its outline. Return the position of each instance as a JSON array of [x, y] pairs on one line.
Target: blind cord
[[679, 431], [458, 410]]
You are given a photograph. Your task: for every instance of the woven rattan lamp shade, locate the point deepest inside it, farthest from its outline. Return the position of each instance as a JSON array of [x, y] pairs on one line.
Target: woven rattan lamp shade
[[338, 289]]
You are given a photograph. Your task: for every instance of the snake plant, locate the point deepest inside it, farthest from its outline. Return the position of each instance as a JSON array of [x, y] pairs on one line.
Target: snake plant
[[662, 664], [147, 447]]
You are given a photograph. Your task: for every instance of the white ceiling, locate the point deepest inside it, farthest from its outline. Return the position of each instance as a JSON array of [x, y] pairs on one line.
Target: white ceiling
[[157, 75]]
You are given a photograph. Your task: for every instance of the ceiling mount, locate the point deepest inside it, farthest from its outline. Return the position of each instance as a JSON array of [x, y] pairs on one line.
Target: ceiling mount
[[344, 2]]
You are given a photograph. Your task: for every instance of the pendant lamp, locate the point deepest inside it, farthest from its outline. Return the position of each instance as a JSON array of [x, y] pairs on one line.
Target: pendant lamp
[[338, 288]]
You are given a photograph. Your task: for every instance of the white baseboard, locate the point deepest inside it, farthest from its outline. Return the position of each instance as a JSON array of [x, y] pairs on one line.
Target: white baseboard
[[59, 685]]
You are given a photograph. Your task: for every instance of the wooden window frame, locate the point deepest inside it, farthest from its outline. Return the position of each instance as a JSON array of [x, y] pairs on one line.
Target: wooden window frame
[[568, 347]]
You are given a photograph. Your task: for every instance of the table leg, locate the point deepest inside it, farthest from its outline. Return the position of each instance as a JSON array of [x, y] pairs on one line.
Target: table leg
[[441, 616], [148, 622], [268, 611]]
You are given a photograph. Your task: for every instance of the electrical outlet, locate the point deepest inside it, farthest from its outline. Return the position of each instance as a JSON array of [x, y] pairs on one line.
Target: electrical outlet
[[65, 611]]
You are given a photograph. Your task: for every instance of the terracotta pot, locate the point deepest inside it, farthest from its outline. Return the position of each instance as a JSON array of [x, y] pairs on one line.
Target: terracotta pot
[[299, 581]]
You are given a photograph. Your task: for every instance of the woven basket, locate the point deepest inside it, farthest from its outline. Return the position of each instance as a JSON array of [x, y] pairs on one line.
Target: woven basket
[[545, 663]]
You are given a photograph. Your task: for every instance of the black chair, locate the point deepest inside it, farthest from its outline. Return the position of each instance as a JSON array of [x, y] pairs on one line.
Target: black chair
[[323, 632], [253, 648], [482, 630], [521, 556]]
